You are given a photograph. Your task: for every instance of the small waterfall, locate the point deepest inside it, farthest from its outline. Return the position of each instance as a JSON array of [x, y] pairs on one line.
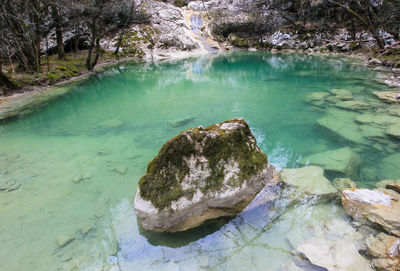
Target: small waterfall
[[197, 27]]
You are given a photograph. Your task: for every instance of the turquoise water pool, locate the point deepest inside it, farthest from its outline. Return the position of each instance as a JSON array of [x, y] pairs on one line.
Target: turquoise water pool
[[74, 164]]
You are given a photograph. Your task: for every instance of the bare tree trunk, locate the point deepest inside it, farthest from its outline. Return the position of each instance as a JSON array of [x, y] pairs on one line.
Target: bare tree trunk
[[365, 21], [47, 55], [96, 58], [90, 64], [6, 82], [76, 38], [59, 33], [121, 35], [96, 28], [119, 42], [89, 55], [36, 35]]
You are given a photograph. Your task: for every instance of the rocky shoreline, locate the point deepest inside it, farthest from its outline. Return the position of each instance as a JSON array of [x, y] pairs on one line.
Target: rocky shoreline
[[366, 238]]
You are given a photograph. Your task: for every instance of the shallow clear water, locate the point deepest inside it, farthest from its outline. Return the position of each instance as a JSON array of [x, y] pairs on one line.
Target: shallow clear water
[[78, 161]]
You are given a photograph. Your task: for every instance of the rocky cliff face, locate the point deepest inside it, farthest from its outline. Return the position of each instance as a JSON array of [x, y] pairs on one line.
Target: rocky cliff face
[[202, 174], [181, 28]]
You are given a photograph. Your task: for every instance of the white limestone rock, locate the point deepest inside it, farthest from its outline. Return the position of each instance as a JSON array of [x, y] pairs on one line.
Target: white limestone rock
[[202, 174]]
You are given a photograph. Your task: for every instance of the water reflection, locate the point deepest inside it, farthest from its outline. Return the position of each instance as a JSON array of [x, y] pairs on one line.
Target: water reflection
[[179, 239]]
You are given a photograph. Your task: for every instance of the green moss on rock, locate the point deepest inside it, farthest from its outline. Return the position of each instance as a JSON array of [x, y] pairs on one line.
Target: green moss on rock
[[238, 41], [180, 3], [213, 149], [130, 44]]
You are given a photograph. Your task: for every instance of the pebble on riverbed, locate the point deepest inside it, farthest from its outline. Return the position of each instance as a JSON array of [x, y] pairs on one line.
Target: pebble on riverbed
[[121, 169], [63, 240], [9, 186], [82, 177], [103, 153]]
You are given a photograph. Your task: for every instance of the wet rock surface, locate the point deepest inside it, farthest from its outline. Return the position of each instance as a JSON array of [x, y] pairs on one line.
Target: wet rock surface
[[343, 183], [202, 174], [388, 96], [385, 251], [334, 255], [374, 208], [308, 182]]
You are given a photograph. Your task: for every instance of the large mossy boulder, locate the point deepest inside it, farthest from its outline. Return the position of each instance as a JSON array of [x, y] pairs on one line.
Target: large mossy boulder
[[202, 174]]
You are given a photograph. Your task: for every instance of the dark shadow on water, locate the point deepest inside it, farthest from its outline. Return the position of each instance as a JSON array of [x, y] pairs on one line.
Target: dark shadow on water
[[179, 239]]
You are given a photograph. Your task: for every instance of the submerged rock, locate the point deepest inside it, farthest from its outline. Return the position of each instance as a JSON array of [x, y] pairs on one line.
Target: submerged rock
[[394, 110], [317, 232], [119, 168], [308, 182], [343, 183], [342, 161], [317, 98], [63, 240], [389, 166], [111, 124], [10, 185], [371, 132], [334, 255], [341, 123], [342, 94], [387, 96], [82, 177], [353, 105], [378, 119], [394, 131], [374, 208], [385, 252], [181, 122], [202, 174]]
